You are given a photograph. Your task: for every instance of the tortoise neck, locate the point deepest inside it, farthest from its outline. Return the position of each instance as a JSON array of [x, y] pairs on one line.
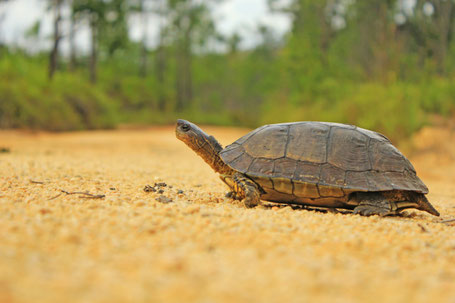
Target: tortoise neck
[[210, 152]]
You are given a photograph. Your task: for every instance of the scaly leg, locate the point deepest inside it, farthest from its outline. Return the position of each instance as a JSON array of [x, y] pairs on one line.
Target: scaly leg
[[229, 180], [371, 203], [243, 189], [232, 195]]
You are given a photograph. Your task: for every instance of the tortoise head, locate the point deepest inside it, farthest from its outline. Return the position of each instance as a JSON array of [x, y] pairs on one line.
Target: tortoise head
[[190, 134], [204, 145]]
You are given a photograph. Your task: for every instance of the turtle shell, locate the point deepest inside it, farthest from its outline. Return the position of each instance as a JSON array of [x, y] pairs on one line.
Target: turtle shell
[[319, 159]]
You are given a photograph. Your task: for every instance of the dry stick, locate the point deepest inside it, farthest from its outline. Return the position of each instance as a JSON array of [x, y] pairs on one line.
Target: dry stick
[[90, 196], [55, 197], [83, 193], [36, 182], [422, 228], [447, 221]]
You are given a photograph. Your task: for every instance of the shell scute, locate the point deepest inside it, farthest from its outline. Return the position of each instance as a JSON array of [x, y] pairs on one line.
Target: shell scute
[[308, 142], [232, 152], [377, 180], [348, 149], [330, 191], [262, 167], [269, 142], [332, 175], [307, 172], [284, 168], [243, 162], [308, 190], [357, 180], [386, 157]]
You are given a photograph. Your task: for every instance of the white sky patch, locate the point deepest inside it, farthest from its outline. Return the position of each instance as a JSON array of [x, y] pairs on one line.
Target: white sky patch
[[407, 6], [231, 16], [18, 16], [244, 17]]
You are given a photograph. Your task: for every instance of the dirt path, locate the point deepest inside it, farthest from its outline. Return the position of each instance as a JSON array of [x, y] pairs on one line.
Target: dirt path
[[128, 247]]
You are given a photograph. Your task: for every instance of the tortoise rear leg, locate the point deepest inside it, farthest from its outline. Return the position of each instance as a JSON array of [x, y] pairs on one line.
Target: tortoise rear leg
[[374, 203], [243, 189]]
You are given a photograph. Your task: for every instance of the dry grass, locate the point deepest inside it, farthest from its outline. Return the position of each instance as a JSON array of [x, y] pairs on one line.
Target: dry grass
[[201, 247]]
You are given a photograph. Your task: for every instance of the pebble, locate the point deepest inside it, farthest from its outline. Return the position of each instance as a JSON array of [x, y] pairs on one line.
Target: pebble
[[163, 199], [149, 188], [157, 187]]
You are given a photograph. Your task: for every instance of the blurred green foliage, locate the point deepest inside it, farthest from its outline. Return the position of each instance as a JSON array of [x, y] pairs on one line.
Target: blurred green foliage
[[375, 74]]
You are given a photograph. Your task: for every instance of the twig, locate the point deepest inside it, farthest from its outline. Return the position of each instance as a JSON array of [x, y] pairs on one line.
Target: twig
[[447, 221], [422, 228], [36, 182], [55, 197], [92, 196]]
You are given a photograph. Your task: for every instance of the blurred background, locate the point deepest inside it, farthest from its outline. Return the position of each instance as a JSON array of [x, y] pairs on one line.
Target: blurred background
[[386, 65]]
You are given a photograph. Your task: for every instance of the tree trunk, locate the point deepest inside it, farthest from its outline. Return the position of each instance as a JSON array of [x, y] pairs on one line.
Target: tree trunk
[[93, 52], [144, 61], [72, 42], [160, 75], [444, 26], [160, 58], [144, 53], [53, 57], [184, 73]]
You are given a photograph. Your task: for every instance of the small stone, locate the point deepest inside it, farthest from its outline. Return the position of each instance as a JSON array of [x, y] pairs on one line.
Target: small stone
[[163, 199], [149, 188], [5, 150], [179, 191], [160, 191], [113, 188], [160, 184]]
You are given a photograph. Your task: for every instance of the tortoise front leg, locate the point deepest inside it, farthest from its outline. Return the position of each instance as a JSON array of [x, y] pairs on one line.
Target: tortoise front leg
[[229, 180], [243, 189], [232, 195]]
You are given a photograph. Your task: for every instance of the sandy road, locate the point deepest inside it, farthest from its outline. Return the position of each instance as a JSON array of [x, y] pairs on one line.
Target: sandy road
[[128, 247]]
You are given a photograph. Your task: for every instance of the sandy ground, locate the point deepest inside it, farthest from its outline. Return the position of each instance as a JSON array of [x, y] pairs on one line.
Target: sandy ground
[[201, 247]]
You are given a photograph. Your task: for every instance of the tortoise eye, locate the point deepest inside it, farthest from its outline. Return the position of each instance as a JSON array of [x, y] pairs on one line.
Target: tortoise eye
[[185, 127]]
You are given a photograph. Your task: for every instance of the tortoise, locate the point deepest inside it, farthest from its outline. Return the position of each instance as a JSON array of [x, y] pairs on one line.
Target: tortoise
[[317, 164]]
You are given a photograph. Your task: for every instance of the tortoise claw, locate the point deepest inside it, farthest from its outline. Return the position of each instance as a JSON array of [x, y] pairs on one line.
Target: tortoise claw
[[232, 195]]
